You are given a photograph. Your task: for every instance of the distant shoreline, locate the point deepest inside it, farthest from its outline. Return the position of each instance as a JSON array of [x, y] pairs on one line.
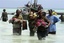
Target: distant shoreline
[[22, 7], [14, 9]]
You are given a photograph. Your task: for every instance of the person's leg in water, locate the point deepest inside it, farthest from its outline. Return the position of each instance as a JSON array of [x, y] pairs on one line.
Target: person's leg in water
[[31, 33], [14, 31], [44, 34], [19, 31], [31, 30], [39, 35], [47, 31]]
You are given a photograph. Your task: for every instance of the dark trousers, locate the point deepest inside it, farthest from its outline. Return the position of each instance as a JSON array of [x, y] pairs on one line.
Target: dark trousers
[[32, 33], [41, 33], [47, 31], [31, 27]]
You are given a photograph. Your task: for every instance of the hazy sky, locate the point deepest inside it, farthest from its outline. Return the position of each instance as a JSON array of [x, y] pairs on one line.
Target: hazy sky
[[45, 3]]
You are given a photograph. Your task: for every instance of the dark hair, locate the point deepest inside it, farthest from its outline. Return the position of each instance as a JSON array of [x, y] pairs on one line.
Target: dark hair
[[17, 13], [50, 10], [4, 10], [43, 13], [40, 7]]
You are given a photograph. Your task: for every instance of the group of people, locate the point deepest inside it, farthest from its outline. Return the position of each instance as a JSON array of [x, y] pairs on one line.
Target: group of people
[[43, 24], [38, 23]]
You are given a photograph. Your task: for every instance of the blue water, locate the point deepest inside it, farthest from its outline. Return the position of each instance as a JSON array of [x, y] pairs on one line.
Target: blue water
[[8, 10], [13, 10]]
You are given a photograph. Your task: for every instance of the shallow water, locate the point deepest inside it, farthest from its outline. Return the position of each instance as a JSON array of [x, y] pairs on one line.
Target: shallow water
[[7, 37]]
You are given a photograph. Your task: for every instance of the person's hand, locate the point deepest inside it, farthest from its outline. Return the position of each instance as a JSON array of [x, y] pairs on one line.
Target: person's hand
[[46, 26], [16, 20]]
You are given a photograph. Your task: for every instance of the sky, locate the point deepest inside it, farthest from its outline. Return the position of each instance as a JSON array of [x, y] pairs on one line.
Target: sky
[[50, 4]]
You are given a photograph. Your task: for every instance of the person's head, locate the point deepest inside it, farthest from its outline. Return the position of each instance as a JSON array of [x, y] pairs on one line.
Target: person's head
[[31, 15], [50, 12], [40, 14], [40, 7], [44, 13], [4, 10], [61, 15], [20, 10], [17, 12]]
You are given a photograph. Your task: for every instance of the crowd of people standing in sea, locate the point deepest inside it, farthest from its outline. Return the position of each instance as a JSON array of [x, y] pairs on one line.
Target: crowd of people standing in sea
[[39, 22]]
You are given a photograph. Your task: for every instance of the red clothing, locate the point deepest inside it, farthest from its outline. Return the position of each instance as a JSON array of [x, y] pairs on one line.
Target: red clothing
[[40, 22]]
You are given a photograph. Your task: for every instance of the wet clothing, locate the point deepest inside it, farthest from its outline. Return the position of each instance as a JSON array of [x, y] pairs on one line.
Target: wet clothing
[[31, 27], [16, 25], [4, 16], [31, 21], [42, 30], [41, 22], [24, 25], [53, 20]]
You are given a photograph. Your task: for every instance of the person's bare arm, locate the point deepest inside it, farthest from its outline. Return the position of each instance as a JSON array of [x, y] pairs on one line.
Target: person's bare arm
[[47, 21]]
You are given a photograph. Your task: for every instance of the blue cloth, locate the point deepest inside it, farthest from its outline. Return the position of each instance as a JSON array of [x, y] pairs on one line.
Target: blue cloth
[[52, 26]]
